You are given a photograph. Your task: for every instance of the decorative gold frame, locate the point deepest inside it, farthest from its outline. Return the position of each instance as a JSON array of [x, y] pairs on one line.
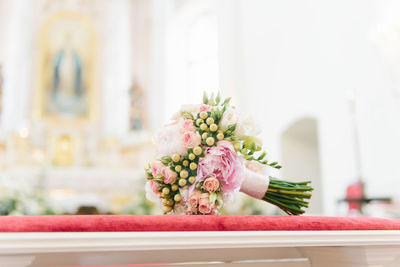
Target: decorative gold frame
[[41, 84]]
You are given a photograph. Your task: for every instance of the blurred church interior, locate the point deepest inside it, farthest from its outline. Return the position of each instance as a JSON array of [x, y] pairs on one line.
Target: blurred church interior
[[84, 85]]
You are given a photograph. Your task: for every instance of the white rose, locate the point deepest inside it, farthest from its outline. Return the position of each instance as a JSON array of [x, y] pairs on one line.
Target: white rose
[[169, 140], [247, 127], [231, 116]]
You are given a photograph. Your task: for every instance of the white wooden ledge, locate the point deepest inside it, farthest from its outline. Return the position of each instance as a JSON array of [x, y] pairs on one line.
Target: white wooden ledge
[[280, 248]]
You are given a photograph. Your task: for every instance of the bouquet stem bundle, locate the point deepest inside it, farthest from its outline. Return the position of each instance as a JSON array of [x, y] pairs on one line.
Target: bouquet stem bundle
[[291, 197]]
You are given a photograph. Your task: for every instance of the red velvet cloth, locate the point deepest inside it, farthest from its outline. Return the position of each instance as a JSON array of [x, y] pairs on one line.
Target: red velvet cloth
[[139, 223]]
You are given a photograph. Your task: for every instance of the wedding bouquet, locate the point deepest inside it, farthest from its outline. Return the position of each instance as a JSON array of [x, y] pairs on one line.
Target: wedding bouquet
[[206, 155]]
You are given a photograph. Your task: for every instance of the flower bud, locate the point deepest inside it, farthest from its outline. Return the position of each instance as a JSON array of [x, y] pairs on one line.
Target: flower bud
[[199, 122], [167, 209], [165, 191], [210, 141], [210, 121], [185, 163], [176, 157], [203, 127], [213, 127], [184, 174], [204, 135], [220, 136], [197, 150], [177, 198], [170, 202], [182, 182], [193, 166], [192, 179], [192, 156], [203, 115], [178, 168], [174, 187]]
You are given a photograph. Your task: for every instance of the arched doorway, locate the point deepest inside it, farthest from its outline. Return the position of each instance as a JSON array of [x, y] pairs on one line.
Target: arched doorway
[[300, 157]]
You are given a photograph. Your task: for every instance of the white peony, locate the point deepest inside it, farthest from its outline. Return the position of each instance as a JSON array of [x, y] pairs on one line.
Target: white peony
[[169, 140], [192, 109]]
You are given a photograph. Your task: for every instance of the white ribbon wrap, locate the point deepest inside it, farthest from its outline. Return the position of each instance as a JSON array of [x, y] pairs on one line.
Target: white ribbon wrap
[[255, 184]]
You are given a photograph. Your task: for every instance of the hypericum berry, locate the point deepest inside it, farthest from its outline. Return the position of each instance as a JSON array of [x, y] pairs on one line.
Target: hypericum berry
[[185, 163], [174, 187], [182, 182], [203, 127], [192, 179], [199, 122], [193, 166], [167, 209], [203, 115], [176, 158], [213, 127], [178, 168], [204, 135], [177, 198], [165, 191], [192, 156], [184, 174], [220, 136], [210, 141], [197, 150], [210, 121], [170, 202]]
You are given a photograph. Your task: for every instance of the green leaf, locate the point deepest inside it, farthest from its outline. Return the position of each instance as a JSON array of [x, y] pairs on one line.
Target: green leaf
[[273, 164], [205, 98], [218, 98], [187, 116], [226, 102], [231, 128], [166, 160], [262, 156]]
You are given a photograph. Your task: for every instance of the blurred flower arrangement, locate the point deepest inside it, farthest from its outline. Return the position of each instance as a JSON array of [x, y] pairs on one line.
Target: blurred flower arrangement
[[206, 155]]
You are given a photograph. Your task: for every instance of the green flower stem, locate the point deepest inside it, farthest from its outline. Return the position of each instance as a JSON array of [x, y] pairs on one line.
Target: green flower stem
[[289, 196]]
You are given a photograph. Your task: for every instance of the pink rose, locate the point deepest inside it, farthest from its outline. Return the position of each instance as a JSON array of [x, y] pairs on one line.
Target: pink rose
[[169, 176], [194, 198], [191, 139], [211, 184], [187, 126], [205, 108], [156, 168], [222, 163], [191, 210], [205, 208], [204, 196]]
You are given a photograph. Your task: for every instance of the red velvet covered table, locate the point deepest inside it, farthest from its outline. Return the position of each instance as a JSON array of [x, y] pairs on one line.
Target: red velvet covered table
[[135, 240], [151, 223]]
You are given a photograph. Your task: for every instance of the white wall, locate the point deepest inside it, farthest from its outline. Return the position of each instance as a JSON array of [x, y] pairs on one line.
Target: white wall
[[300, 58]]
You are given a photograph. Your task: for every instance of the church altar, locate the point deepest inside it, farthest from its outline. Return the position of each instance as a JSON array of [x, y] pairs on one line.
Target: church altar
[[141, 240]]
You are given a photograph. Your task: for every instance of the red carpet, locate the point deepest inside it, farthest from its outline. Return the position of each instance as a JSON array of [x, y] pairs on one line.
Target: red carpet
[[132, 223]]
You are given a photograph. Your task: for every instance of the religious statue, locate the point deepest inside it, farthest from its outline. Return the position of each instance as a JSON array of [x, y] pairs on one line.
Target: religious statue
[[67, 96]]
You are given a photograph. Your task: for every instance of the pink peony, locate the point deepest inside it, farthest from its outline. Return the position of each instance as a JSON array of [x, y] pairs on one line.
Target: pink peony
[[191, 139], [205, 108], [187, 126], [155, 187], [156, 168], [169, 176], [204, 196], [222, 163], [211, 184]]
